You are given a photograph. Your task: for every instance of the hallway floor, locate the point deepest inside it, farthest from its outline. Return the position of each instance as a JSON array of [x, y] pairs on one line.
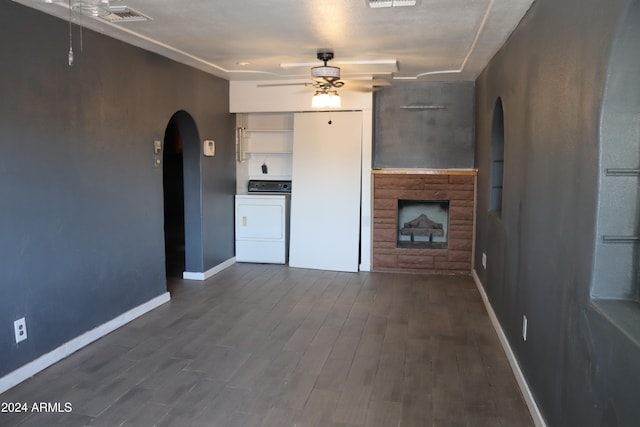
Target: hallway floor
[[269, 345]]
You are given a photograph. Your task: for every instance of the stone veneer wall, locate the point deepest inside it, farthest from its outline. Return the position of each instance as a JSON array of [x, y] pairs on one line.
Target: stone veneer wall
[[457, 186]]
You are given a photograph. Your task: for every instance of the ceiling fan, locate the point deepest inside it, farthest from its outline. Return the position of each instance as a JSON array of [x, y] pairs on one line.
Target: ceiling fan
[[326, 78]]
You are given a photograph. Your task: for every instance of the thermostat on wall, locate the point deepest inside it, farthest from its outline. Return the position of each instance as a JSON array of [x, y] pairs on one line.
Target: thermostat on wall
[[209, 148]]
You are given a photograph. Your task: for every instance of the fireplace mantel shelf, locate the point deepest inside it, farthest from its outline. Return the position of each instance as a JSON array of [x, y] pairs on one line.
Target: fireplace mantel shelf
[[424, 171]]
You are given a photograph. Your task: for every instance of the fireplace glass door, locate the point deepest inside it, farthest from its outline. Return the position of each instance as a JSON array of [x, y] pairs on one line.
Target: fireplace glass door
[[423, 224]]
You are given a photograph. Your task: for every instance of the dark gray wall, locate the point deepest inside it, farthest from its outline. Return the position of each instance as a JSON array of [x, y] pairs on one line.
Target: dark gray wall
[[81, 211], [550, 75], [424, 138]]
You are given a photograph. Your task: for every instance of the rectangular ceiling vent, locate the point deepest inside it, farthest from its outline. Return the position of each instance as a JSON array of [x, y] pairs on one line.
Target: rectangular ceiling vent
[[124, 14], [374, 4]]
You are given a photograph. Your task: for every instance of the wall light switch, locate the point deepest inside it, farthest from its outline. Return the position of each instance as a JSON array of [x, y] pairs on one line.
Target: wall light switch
[[157, 146], [209, 147]]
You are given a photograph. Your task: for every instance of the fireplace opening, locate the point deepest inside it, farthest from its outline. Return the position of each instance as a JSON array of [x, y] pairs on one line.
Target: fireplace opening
[[423, 224]]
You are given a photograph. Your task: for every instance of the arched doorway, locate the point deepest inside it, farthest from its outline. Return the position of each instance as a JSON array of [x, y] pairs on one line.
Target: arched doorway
[[182, 195], [173, 189]]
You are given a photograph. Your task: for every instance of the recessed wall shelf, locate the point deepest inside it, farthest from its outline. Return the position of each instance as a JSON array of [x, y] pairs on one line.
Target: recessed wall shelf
[[616, 270], [622, 172], [422, 107], [621, 239]]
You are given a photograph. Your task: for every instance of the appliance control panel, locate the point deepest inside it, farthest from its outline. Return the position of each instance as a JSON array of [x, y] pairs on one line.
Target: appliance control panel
[[265, 186]]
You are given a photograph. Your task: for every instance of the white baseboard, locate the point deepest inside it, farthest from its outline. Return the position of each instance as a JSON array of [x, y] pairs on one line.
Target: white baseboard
[[365, 267], [536, 415], [30, 369], [187, 275]]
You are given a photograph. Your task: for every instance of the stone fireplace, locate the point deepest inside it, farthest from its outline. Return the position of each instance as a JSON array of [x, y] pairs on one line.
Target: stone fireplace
[[423, 220]]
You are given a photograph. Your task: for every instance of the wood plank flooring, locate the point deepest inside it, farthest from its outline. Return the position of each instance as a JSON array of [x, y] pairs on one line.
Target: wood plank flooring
[[269, 345]]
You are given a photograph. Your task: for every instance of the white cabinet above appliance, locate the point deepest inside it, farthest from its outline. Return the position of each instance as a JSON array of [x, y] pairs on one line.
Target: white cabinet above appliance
[[264, 146]]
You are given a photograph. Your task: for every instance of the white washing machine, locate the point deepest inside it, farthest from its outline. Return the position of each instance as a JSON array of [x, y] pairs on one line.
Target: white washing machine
[[262, 227]]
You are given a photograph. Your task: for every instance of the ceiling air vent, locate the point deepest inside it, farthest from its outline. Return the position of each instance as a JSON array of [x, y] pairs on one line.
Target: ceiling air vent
[[374, 4], [125, 14]]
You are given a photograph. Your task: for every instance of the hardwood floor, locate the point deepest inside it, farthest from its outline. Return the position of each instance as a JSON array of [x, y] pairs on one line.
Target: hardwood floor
[[269, 345]]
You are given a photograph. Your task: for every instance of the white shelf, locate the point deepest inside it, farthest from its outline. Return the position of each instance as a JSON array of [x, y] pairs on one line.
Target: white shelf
[[269, 142]]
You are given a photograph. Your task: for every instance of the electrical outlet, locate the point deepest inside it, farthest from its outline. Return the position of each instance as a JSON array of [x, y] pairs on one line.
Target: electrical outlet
[[20, 328], [484, 260], [525, 323]]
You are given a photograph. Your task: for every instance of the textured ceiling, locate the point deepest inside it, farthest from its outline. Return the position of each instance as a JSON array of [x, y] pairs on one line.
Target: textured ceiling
[[278, 39]]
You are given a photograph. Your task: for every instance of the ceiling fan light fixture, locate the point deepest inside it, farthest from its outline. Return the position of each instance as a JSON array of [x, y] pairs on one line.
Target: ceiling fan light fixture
[[326, 99], [319, 100], [325, 72], [334, 100]]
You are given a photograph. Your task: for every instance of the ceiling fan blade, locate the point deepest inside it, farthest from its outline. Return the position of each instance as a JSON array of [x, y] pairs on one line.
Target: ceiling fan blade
[[360, 88], [367, 84]]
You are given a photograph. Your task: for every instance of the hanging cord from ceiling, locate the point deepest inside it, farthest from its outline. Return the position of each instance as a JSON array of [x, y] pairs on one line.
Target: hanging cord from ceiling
[[70, 38]]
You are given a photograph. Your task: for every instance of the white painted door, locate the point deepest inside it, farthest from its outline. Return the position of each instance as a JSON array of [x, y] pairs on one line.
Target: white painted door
[[325, 199]]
